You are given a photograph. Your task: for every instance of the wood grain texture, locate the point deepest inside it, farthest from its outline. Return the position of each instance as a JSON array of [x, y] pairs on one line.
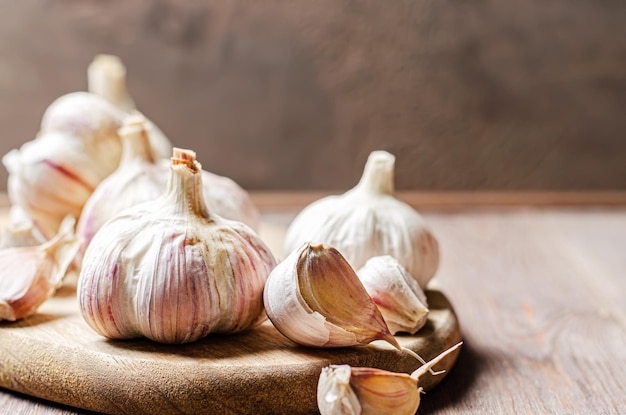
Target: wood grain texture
[[540, 297], [279, 94], [54, 355]]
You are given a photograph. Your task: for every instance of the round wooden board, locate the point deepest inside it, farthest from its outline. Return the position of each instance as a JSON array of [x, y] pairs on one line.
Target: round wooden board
[[54, 355]]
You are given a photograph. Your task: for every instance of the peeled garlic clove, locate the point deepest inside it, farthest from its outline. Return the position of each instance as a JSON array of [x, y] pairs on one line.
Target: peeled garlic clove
[[170, 270], [315, 298], [368, 221], [398, 296], [346, 390], [141, 177], [106, 77], [31, 275]]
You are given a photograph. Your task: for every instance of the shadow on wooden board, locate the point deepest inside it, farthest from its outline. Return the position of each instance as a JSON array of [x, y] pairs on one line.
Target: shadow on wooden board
[[294, 95]]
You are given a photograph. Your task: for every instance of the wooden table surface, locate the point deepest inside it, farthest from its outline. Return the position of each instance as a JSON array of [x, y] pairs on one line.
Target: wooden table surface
[[541, 298]]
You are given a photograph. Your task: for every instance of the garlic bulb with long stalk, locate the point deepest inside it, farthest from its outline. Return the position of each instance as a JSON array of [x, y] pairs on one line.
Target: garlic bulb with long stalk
[[30, 275], [368, 221], [315, 299], [397, 294], [346, 390], [172, 271], [106, 77], [141, 177]]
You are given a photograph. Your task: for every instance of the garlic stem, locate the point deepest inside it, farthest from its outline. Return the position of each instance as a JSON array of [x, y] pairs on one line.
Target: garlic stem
[[135, 141], [106, 77], [184, 187], [378, 172], [420, 371]]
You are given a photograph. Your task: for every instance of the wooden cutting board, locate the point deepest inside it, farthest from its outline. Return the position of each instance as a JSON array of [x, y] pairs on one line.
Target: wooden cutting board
[[54, 355]]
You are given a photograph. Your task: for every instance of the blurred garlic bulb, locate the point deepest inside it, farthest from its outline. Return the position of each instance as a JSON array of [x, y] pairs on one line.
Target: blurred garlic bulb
[[314, 298], [398, 295], [141, 177], [52, 176], [170, 270], [346, 390], [106, 77], [31, 275], [367, 221]]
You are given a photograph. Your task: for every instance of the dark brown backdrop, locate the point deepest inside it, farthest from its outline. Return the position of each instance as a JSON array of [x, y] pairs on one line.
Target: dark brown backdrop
[[293, 94]]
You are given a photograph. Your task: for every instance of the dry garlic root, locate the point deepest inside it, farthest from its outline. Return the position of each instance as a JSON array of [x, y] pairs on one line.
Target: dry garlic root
[[141, 177], [170, 270], [31, 275], [368, 221], [346, 390], [397, 294]]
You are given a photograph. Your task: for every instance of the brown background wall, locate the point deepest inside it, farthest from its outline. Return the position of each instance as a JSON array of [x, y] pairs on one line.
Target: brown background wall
[[517, 94]]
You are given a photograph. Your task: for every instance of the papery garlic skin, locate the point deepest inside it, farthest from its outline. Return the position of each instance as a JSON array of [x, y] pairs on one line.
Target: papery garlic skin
[[398, 296], [141, 177], [31, 275], [171, 271], [335, 396], [345, 390], [52, 176], [315, 299], [368, 221]]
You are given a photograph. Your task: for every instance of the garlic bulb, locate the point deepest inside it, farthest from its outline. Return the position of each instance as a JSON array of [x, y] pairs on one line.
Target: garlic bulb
[[315, 299], [106, 77], [52, 176], [345, 390], [31, 275], [398, 296], [142, 177], [367, 221], [170, 270]]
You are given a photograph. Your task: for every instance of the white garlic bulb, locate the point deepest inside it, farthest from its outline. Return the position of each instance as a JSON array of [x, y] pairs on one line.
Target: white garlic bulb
[[142, 177], [346, 390], [106, 77], [30, 275], [398, 296], [368, 221], [52, 176], [170, 270], [315, 299]]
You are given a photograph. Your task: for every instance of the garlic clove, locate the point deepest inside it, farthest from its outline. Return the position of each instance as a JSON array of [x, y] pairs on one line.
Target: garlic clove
[[315, 298], [398, 296], [368, 221], [31, 275], [21, 234], [170, 270], [346, 390]]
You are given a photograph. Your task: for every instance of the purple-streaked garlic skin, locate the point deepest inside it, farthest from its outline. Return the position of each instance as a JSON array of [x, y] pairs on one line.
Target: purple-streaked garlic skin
[[397, 294], [315, 299], [368, 220], [171, 271]]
